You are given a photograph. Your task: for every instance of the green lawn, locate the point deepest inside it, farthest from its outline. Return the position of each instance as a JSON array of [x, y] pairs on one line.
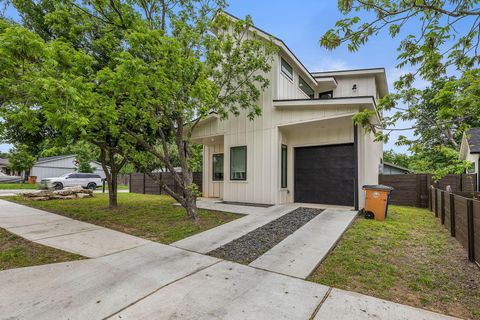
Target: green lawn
[[151, 217], [410, 259], [16, 252], [17, 186]]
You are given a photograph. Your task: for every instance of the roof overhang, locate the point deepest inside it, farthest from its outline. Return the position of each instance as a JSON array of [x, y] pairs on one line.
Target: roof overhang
[[365, 101], [361, 102], [379, 74]]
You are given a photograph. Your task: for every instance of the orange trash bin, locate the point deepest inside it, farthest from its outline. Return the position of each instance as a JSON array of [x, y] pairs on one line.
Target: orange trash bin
[[32, 179], [377, 198]]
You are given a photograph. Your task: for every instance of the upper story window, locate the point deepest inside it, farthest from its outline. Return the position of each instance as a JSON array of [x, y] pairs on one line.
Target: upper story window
[[326, 95], [287, 69], [302, 84]]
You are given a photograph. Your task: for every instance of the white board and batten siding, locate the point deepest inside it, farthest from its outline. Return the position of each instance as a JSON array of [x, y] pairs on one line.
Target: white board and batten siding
[[57, 167], [293, 126]]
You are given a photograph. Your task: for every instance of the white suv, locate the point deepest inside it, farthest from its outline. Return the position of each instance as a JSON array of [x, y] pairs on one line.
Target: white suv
[[85, 180]]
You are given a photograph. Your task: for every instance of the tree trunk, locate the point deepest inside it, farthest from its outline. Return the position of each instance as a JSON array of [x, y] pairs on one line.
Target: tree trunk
[[191, 206], [112, 190]]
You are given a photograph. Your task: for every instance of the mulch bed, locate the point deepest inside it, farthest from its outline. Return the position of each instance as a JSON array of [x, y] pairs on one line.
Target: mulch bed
[[255, 243]]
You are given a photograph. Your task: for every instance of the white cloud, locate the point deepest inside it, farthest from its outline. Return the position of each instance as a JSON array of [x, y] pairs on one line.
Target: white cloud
[[329, 64]]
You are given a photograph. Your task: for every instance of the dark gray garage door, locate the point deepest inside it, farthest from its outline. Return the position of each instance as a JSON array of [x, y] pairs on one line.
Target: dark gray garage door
[[325, 174]]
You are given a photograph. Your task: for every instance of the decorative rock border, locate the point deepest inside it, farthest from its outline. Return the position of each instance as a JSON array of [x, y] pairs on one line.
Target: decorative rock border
[[66, 193]]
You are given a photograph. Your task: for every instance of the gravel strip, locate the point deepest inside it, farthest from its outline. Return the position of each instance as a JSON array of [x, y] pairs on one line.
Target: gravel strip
[[255, 243]]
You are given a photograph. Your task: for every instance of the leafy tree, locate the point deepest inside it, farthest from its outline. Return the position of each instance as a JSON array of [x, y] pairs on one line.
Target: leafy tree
[[131, 78], [443, 111], [436, 45], [400, 159], [178, 77], [439, 161], [20, 159], [50, 90]]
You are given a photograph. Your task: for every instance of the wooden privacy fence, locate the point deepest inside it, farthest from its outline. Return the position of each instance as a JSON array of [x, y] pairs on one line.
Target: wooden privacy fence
[[461, 216], [413, 189], [143, 183]]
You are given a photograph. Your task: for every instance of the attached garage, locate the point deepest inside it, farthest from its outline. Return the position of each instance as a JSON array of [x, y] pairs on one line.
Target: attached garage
[[325, 174]]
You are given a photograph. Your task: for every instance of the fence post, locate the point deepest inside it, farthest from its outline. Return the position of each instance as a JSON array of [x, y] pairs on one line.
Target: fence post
[[130, 183], [419, 191], [144, 181], [452, 214], [436, 202], [471, 237], [442, 204]]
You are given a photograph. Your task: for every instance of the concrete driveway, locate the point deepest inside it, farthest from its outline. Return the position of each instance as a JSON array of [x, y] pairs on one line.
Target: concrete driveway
[[131, 278]]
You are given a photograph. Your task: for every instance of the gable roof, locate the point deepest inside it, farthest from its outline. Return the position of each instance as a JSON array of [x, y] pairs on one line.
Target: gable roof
[[396, 166], [48, 159], [53, 158], [473, 139], [279, 42]]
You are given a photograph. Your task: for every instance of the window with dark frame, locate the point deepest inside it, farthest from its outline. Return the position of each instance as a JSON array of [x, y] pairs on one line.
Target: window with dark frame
[[238, 163], [284, 166], [287, 69], [326, 95], [303, 85], [217, 167]]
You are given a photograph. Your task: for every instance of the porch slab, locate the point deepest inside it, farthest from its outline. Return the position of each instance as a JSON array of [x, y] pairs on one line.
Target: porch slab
[[345, 305], [218, 205], [94, 243], [94, 288], [230, 291], [301, 252], [211, 239]]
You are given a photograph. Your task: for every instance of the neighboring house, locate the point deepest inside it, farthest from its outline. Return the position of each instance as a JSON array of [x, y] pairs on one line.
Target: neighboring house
[[3, 165], [470, 149], [304, 148], [56, 166], [390, 168]]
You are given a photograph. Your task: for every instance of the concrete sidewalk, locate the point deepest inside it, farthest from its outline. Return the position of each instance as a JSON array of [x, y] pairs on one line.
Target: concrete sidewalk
[[155, 281], [94, 288], [132, 278], [64, 233], [301, 252]]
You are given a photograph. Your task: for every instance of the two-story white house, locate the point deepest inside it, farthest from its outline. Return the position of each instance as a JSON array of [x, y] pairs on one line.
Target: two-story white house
[[304, 147]]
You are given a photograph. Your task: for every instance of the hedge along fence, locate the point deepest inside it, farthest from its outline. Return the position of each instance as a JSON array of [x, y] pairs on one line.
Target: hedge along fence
[[461, 216], [143, 183]]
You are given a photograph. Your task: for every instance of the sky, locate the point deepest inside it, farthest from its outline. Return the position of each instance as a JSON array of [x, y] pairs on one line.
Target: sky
[[300, 24]]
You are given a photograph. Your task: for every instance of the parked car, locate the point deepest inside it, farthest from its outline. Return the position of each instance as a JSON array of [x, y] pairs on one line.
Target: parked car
[[85, 180]]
